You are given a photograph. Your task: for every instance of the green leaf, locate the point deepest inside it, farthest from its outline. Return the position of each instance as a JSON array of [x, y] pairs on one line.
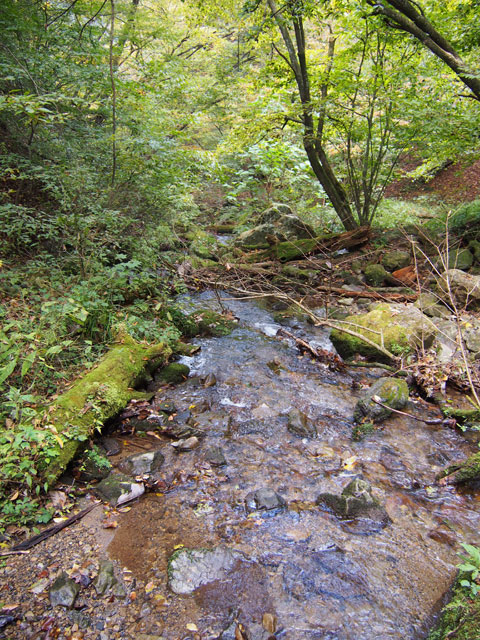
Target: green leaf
[[27, 363], [7, 370]]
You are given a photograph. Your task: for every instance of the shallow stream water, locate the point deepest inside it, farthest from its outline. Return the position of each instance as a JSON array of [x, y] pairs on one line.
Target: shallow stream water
[[315, 576]]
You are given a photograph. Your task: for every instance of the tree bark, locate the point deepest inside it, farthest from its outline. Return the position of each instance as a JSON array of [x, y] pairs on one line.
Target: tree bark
[[404, 15]]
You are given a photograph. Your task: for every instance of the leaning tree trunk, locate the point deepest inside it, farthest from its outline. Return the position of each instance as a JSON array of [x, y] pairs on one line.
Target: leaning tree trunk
[[96, 397]]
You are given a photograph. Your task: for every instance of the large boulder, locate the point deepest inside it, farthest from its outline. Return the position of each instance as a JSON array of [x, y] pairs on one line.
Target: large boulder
[[463, 287], [392, 392], [276, 224], [401, 329], [394, 260]]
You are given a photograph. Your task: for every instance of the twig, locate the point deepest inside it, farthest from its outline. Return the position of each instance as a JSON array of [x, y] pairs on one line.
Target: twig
[[408, 415], [31, 542]]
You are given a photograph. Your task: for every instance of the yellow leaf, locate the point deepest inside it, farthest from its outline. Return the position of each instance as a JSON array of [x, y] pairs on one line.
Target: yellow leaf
[[349, 463], [192, 627], [149, 587], [179, 546]]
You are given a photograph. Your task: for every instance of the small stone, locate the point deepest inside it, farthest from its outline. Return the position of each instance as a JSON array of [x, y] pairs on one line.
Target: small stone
[[64, 591], [111, 445], [264, 499], [142, 463], [186, 444], [215, 457], [167, 407], [210, 380], [105, 579], [299, 424]]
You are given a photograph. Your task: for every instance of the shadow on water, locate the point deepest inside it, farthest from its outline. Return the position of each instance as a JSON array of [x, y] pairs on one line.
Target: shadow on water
[[320, 577]]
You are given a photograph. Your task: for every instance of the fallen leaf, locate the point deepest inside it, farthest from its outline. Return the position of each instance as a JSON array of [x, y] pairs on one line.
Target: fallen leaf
[[133, 596], [192, 627], [39, 586], [110, 524], [269, 622], [9, 607], [58, 499], [149, 587], [349, 463], [15, 496]]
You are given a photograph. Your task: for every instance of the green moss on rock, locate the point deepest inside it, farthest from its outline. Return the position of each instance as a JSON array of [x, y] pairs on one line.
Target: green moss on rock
[[460, 618], [174, 373], [375, 275], [399, 329]]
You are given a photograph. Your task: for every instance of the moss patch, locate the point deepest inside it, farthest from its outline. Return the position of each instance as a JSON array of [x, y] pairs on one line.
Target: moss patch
[[400, 332], [174, 373], [460, 618], [96, 397]]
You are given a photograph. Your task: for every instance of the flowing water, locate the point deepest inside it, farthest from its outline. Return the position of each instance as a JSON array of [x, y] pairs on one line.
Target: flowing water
[[317, 576]]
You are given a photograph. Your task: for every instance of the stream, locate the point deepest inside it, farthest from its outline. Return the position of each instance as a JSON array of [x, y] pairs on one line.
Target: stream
[[297, 571]]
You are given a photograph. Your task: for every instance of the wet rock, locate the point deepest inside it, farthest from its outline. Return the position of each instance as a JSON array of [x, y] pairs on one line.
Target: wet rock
[[355, 501], [210, 380], [152, 424], [174, 373], [142, 463], [118, 489], [392, 392], [111, 446], [186, 444], [375, 275], [167, 407], [264, 499], [464, 287], [215, 457], [188, 569], [105, 580], [230, 633], [63, 592], [394, 260], [400, 328], [328, 572], [300, 425], [6, 620], [275, 225]]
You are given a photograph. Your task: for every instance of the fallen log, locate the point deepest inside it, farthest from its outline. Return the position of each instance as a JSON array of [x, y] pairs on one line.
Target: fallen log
[[292, 250], [365, 293], [96, 397]]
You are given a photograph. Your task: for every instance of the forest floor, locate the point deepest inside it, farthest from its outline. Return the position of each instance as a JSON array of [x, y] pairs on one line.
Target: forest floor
[[455, 184]]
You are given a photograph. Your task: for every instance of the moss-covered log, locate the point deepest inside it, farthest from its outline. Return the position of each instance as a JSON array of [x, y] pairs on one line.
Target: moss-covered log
[[292, 250], [98, 396]]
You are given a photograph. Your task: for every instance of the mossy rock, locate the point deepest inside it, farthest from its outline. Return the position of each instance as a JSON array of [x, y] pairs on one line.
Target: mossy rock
[[211, 323], [375, 275], [394, 260], [174, 373], [304, 275], [203, 322], [460, 259], [392, 392], [401, 330], [465, 472]]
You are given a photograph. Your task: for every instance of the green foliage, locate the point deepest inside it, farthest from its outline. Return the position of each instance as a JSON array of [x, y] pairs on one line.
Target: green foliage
[[470, 567], [466, 217]]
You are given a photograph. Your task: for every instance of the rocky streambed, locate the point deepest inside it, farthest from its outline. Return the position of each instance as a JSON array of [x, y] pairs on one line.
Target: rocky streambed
[[265, 520]]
